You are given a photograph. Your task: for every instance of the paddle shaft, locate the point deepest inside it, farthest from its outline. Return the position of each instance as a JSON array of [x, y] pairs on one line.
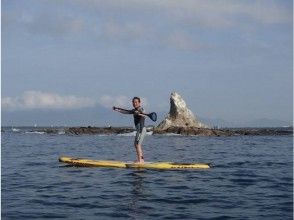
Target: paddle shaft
[[149, 115], [114, 108]]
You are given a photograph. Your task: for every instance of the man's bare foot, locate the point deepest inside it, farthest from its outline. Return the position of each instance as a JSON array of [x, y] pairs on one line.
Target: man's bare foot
[[139, 162]]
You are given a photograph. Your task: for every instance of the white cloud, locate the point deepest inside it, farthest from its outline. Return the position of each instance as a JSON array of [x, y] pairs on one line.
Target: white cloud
[[123, 101], [9, 103], [227, 13], [44, 22], [151, 22], [212, 13], [129, 20], [109, 101], [45, 100]]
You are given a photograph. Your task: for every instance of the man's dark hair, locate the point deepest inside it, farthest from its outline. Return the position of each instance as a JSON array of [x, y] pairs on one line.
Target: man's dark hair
[[136, 98]]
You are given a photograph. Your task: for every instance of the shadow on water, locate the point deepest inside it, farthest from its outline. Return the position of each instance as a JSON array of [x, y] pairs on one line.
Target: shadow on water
[[137, 191]]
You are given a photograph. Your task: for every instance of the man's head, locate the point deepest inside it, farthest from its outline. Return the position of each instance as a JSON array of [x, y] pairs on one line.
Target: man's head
[[136, 102]]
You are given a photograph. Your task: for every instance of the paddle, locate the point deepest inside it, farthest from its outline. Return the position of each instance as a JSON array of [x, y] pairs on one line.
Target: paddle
[[152, 115]]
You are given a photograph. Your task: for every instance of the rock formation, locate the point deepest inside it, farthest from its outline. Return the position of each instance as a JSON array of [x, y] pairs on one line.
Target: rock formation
[[179, 115]]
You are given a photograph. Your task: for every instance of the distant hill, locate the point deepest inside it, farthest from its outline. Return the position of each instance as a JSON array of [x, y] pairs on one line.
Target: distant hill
[[265, 122], [262, 122], [94, 116]]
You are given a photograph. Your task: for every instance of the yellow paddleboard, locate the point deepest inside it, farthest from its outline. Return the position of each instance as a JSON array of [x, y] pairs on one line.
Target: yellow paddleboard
[[169, 165], [92, 163], [120, 164]]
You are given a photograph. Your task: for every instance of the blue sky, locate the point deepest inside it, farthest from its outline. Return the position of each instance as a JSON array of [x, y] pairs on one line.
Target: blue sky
[[228, 59]]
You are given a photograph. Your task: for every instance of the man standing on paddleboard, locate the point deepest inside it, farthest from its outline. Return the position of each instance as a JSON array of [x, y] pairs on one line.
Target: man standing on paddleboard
[[139, 120]]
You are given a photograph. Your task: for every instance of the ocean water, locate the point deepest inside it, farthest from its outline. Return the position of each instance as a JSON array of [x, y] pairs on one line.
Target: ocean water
[[252, 178]]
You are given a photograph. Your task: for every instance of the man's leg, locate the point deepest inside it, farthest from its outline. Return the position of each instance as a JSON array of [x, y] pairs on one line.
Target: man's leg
[[140, 157], [138, 145]]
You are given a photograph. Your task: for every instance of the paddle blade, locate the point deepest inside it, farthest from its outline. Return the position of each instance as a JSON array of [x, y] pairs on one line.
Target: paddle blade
[[153, 116]]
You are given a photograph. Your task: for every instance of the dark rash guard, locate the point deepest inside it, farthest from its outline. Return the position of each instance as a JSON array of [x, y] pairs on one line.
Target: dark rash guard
[[139, 121]]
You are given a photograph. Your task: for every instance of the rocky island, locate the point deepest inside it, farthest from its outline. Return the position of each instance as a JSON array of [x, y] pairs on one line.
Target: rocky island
[[181, 120]]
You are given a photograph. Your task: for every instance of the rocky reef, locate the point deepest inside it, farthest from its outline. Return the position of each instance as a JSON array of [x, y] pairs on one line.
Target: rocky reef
[[89, 130], [227, 131], [194, 131], [98, 130]]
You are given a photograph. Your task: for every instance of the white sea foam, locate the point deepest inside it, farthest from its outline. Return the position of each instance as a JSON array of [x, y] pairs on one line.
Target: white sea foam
[[128, 134], [134, 133], [171, 134], [15, 129], [35, 132]]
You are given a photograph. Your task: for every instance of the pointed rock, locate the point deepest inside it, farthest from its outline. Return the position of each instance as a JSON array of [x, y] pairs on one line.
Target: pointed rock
[[179, 115]]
